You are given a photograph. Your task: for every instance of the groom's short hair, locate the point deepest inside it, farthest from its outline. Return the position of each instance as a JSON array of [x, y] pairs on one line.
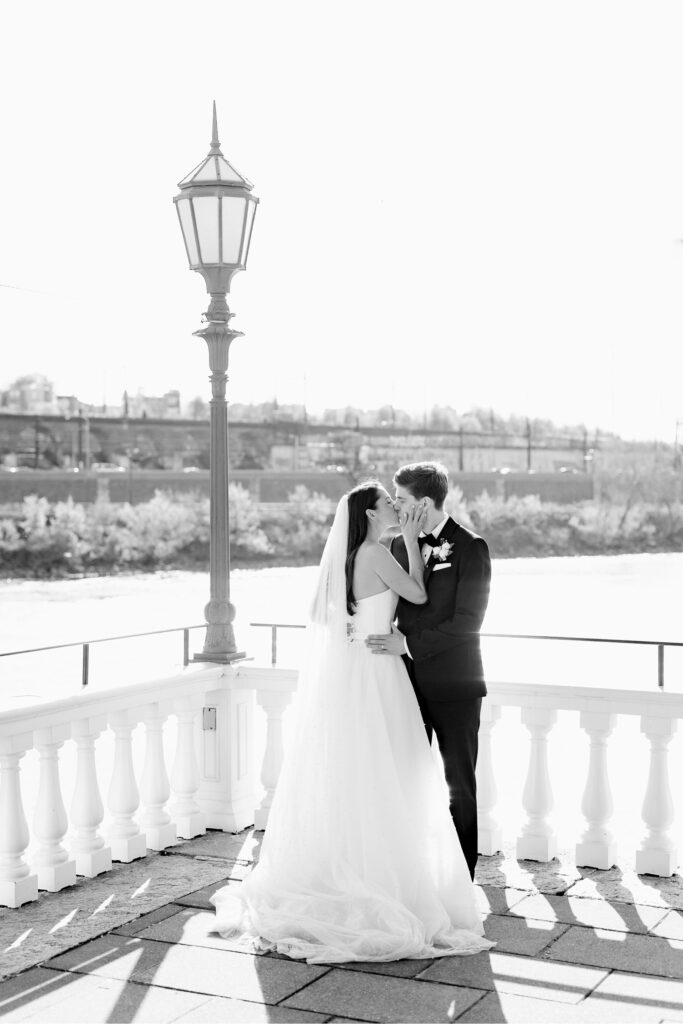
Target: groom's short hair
[[424, 480]]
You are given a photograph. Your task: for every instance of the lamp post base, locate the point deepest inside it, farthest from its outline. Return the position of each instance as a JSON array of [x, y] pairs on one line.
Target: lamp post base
[[221, 657]]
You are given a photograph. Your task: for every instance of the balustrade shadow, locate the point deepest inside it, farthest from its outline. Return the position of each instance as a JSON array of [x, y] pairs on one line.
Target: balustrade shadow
[[136, 958], [105, 958], [545, 876], [618, 884], [542, 874], [648, 895], [612, 910]]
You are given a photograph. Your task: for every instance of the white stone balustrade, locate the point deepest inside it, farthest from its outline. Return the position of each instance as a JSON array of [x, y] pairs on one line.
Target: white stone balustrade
[[17, 883], [538, 840], [185, 811], [155, 788], [274, 702], [91, 854], [658, 855], [539, 707], [598, 709], [217, 759], [60, 846], [227, 755], [125, 838], [490, 833], [54, 867], [597, 847]]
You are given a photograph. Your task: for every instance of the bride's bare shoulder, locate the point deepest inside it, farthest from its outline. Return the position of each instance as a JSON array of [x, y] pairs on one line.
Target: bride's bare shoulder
[[373, 554]]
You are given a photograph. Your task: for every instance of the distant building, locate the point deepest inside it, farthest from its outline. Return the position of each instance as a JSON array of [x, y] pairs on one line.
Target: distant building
[[141, 406], [33, 393], [68, 405]]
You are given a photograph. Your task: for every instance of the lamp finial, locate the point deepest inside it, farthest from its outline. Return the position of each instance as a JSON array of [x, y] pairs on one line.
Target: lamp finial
[[215, 144]]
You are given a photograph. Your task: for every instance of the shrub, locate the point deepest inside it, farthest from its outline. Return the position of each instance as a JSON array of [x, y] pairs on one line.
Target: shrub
[[520, 526], [173, 529], [246, 535], [46, 538], [456, 506], [169, 529], [301, 529], [103, 534]]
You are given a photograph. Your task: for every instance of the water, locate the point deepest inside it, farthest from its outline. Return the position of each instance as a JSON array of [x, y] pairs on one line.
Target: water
[[622, 597]]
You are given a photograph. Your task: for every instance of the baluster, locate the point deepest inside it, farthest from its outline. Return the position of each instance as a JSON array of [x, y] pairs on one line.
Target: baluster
[[273, 703], [657, 854], [490, 835], [188, 818], [17, 884], [154, 785], [537, 840], [126, 840], [597, 848], [87, 845], [54, 868]]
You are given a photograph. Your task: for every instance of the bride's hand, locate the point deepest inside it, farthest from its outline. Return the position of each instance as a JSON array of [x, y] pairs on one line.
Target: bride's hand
[[412, 521]]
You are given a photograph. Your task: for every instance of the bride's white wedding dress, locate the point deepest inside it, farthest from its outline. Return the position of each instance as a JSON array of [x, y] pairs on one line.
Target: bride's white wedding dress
[[360, 859]]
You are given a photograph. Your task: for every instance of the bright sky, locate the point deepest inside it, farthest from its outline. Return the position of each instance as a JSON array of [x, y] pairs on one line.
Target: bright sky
[[497, 186]]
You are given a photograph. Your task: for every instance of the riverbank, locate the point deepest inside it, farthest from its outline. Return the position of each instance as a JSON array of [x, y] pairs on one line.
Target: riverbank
[[67, 540]]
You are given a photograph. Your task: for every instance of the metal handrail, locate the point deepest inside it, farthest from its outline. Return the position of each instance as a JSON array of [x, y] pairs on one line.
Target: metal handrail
[[659, 644], [274, 626], [86, 644], [585, 639]]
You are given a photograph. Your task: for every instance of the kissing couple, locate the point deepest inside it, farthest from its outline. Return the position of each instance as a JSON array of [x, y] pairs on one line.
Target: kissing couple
[[369, 855]]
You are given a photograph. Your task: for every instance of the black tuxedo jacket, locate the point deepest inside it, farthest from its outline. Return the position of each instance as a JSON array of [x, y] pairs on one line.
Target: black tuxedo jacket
[[443, 634]]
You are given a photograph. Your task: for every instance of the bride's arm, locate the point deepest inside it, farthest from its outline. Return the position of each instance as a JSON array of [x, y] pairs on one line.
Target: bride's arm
[[408, 585]]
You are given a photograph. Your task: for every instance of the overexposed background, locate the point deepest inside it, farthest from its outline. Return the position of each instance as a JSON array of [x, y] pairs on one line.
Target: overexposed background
[[497, 184]]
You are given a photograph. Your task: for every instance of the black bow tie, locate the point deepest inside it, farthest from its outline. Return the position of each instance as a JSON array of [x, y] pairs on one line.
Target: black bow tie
[[430, 539]]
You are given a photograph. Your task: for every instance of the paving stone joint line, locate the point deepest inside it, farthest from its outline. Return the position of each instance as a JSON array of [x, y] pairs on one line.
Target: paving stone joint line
[[308, 984], [65, 971], [544, 954], [468, 1009], [499, 908]]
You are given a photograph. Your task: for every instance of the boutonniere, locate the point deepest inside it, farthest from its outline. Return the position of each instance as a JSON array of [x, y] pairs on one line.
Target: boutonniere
[[442, 552]]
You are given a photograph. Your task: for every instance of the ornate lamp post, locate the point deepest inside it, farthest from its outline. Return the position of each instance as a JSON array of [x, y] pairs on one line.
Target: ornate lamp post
[[216, 213]]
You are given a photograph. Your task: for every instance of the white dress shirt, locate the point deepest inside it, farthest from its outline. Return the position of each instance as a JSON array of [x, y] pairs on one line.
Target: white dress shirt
[[427, 548]]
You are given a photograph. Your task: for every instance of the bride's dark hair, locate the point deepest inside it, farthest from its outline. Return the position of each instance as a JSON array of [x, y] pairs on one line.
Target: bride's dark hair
[[360, 499]]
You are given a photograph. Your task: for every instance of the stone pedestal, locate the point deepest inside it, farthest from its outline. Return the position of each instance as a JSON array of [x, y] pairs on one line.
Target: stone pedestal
[[21, 890]]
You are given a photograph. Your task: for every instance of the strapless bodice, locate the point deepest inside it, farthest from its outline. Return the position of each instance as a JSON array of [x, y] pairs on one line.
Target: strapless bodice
[[374, 614]]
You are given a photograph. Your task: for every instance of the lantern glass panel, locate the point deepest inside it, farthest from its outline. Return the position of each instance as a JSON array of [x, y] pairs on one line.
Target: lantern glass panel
[[206, 216], [227, 174], [251, 210], [187, 226], [208, 172], [233, 221]]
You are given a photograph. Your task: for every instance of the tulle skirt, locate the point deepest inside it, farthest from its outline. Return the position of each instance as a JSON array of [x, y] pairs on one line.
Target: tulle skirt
[[360, 860]]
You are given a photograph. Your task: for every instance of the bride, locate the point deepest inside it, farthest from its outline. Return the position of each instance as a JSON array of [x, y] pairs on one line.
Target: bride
[[360, 860]]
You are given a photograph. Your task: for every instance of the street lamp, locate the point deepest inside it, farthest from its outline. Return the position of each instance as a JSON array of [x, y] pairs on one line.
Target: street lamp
[[216, 213]]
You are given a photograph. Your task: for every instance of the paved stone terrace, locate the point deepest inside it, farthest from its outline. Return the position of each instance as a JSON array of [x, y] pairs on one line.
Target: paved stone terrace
[[134, 945]]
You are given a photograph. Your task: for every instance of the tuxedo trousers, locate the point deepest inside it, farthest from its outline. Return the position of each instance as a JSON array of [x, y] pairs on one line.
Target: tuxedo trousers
[[456, 727]]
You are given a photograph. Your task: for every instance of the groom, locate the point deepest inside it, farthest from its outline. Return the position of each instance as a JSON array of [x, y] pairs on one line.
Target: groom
[[440, 639]]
